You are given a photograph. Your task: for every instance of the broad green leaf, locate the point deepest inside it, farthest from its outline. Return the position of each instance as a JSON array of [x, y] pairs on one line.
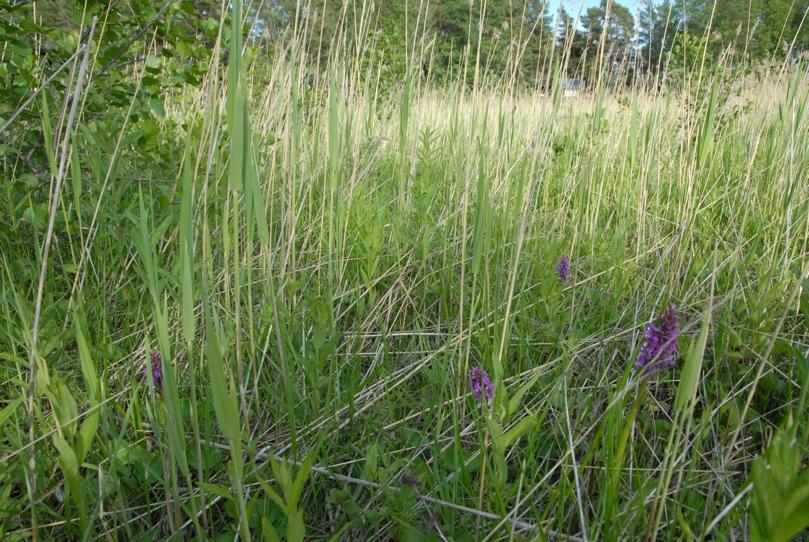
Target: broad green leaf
[[70, 467], [282, 476], [516, 400], [272, 494], [481, 231], [224, 400], [498, 451], [87, 432], [218, 490], [8, 410], [692, 368], [64, 405], [519, 429], [153, 62], [186, 249], [171, 393], [296, 529], [43, 378], [300, 479], [268, 532], [371, 461], [496, 434], [47, 132], [67, 458], [780, 498], [88, 368]]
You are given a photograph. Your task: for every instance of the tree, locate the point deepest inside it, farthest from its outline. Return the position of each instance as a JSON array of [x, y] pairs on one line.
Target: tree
[[799, 27], [129, 28], [513, 37], [657, 26], [750, 30], [572, 43], [613, 23], [779, 25], [646, 30], [536, 37]]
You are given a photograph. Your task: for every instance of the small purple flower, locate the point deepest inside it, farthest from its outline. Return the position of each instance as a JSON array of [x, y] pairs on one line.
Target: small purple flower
[[155, 370], [651, 346], [563, 269], [659, 350], [480, 382]]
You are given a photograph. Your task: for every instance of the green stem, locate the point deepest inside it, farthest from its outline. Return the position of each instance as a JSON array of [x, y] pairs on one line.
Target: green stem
[[630, 420], [618, 461]]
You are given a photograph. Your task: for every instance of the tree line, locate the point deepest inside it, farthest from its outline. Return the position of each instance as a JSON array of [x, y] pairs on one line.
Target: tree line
[[147, 47], [527, 39]]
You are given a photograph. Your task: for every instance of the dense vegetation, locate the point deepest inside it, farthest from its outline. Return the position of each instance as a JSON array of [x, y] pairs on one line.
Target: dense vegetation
[[352, 271]]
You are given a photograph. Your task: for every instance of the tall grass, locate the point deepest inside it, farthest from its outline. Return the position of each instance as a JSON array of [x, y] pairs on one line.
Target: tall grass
[[328, 258]]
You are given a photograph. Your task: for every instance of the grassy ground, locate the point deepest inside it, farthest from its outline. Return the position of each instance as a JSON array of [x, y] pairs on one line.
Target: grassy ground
[[319, 266]]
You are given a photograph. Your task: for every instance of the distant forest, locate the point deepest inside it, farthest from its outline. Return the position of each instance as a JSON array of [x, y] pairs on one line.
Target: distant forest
[[518, 42], [527, 39]]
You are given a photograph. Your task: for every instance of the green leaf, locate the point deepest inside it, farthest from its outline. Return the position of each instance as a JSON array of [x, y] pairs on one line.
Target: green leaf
[[519, 429], [780, 498], [87, 432], [692, 368], [153, 62], [47, 132], [8, 410], [496, 433], [300, 480], [220, 491], [369, 471], [296, 529], [516, 400], [268, 532], [69, 464], [67, 458], [171, 394], [271, 493], [281, 472], [88, 368], [64, 405], [499, 452], [224, 400], [186, 250]]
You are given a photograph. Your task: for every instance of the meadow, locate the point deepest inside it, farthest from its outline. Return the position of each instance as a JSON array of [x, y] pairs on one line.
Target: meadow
[[272, 325]]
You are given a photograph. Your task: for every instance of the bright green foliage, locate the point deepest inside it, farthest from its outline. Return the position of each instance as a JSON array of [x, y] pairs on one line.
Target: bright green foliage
[[780, 502], [291, 489], [127, 30]]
